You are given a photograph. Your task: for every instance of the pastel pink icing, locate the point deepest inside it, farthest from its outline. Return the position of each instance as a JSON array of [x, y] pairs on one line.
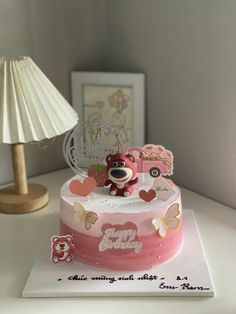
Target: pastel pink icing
[[155, 250]]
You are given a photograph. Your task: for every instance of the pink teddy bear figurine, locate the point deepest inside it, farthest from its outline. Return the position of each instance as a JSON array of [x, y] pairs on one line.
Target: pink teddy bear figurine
[[121, 171]]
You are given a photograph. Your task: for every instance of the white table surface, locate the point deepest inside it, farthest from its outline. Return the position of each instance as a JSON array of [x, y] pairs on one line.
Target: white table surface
[[21, 236]]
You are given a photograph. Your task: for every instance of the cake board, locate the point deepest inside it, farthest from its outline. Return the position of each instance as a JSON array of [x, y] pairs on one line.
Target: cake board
[[185, 275]]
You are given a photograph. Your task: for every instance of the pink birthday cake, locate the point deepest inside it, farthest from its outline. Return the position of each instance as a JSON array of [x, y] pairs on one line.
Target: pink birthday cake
[[125, 214]]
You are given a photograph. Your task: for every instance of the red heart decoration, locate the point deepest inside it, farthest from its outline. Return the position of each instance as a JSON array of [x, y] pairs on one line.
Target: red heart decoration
[[83, 188], [147, 196]]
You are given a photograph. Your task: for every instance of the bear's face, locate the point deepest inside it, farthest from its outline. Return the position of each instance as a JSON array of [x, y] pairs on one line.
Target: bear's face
[[62, 247], [121, 168], [61, 244]]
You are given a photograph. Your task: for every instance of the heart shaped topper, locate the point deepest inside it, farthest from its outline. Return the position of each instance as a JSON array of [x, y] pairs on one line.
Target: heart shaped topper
[[147, 196], [83, 188]]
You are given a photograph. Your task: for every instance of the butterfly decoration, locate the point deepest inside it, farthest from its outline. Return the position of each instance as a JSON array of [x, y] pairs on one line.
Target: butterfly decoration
[[170, 221], [82, 215]]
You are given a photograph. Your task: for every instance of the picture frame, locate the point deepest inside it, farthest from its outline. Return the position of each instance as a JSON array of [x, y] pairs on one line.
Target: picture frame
[[115, 98]]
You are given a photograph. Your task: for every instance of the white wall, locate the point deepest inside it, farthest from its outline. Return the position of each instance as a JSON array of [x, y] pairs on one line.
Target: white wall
[[187, 49], [60, 36]]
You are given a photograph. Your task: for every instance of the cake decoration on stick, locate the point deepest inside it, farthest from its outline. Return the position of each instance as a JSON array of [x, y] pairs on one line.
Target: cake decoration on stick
[[154, 159], [83, 188], [169, 221], [121, 172], [120, 239], [98, 172], [62, 249], [147, 196], [88, 218], [158, 162], [163, 187]]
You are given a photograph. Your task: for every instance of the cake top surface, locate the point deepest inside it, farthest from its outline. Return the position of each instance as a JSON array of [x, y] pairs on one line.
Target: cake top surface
[[101, 201]]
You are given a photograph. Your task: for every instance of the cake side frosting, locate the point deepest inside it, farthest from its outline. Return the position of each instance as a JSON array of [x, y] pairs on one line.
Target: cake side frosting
[[154, 251]]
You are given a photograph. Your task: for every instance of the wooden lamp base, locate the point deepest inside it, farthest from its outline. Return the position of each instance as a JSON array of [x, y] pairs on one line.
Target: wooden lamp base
[[13, 203]]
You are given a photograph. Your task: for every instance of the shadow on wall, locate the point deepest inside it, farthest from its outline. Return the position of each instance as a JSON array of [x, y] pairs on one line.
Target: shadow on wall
[[186, 49]]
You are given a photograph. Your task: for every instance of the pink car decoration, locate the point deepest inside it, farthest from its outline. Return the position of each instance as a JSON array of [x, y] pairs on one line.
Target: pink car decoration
[[154, 159]]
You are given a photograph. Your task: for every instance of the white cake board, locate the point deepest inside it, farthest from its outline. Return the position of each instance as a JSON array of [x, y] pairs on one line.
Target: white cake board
[[185, 275]]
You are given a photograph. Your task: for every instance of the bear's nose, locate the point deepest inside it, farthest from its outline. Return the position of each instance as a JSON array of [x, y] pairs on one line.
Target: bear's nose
[[118, 173]]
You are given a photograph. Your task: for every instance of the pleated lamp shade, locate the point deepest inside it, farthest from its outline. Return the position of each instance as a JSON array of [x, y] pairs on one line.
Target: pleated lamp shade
[[31, 109]]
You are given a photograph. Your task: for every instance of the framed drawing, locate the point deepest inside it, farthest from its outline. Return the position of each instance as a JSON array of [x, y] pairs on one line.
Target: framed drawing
[[113, 98]]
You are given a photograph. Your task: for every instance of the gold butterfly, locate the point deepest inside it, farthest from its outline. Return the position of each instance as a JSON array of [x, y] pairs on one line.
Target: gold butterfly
[[82, 215], [170, 221]]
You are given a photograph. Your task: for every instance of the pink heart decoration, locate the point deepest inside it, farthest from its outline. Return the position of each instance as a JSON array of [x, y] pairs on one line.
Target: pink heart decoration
[[83, 188], [147, 196]]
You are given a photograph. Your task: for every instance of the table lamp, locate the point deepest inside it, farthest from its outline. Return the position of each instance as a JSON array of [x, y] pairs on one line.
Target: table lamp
[[31, 109]]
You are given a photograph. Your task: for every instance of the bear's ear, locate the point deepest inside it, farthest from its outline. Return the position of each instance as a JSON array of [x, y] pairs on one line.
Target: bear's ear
[[131, 157], [108, 158], [54, 239], [68, 238]]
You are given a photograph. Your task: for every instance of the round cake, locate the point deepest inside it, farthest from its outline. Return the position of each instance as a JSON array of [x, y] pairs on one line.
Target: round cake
[[122, 233]]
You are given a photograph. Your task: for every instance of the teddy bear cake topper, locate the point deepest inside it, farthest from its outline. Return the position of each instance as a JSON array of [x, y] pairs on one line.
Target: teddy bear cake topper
[[122, 174]]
